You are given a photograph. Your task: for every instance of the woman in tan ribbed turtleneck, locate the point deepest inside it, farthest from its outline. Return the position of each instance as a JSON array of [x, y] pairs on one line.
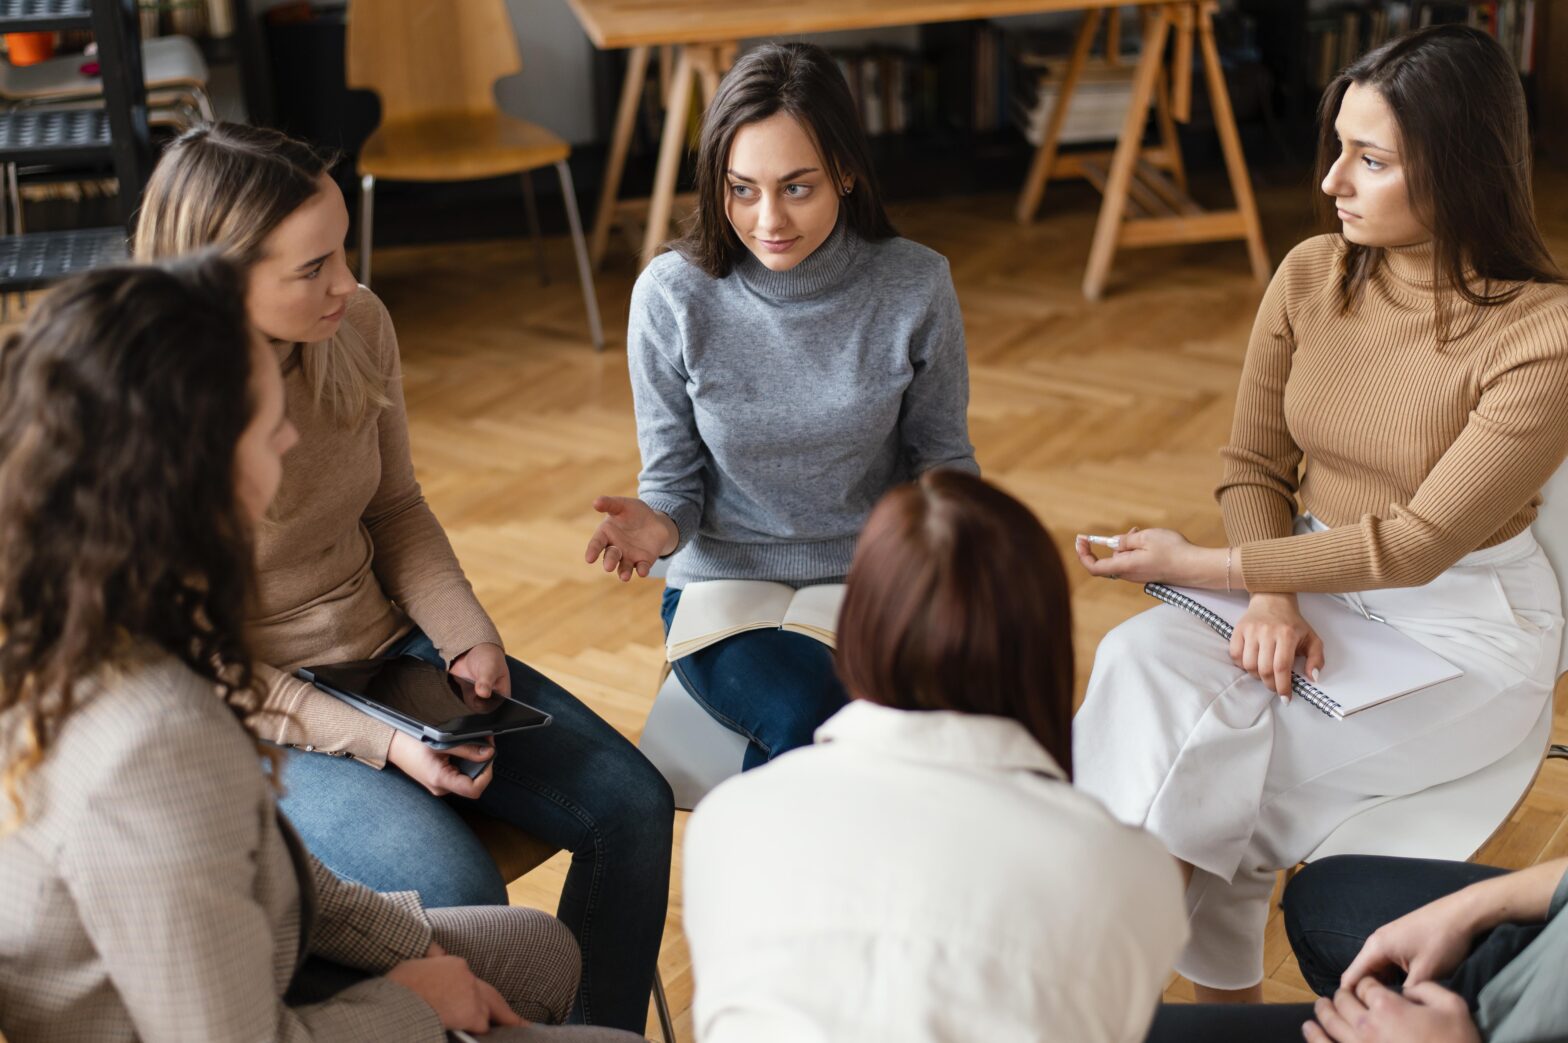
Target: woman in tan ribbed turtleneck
[[1404, 399]]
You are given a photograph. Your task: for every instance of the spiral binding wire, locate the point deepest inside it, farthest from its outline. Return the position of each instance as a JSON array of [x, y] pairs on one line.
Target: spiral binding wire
[[1298, 684]]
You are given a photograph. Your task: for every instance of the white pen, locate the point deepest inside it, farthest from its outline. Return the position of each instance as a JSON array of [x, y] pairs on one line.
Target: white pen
[[1373, 616], [1113, 542], [1355, 602]]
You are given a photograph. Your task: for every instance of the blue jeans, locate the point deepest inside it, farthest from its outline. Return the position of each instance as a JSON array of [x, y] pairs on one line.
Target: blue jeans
[[577, 784], [772, 686], [1331, 907]]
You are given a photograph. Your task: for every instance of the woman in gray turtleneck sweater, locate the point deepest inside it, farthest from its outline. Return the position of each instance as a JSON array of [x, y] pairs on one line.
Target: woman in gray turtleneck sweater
[[791, 361]]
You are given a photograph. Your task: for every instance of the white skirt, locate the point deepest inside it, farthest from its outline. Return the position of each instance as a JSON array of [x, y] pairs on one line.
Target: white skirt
[[1172, 736]]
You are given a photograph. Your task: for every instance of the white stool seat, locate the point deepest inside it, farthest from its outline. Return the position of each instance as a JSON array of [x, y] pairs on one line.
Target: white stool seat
[[1452, 821], [692, 751], [167, 61]]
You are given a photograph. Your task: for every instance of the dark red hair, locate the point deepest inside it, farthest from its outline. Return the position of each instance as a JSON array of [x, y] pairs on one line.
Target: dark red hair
[[957, 600]]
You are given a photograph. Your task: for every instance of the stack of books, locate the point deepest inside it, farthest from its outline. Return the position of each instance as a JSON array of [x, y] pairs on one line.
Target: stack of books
[[1096, 111], [894, 90]]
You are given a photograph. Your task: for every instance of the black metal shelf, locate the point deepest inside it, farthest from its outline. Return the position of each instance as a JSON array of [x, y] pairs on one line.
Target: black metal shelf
[[113, 135], [55, 136], [34, 16], [30, 261]]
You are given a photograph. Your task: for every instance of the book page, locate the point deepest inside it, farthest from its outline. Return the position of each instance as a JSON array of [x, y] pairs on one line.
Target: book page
[[814, 611], [712, 610]]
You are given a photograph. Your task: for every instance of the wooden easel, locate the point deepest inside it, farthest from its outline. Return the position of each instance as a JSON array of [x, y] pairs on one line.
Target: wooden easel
[[1145, 189], [681, 70]]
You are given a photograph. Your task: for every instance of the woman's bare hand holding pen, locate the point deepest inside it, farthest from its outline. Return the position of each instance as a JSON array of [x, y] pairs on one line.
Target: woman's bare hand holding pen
[[1267, 639]]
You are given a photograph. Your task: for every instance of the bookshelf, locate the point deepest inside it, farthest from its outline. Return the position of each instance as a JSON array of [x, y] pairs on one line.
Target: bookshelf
[[1307, 42], [972, 86], [1551, 81], [956, 78]]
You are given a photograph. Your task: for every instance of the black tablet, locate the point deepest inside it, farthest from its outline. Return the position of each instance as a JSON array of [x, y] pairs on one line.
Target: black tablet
[[422, 699]]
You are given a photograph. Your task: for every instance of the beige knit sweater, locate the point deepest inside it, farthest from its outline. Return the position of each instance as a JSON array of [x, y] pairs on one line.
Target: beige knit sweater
[[350, 558], [1414, 451]]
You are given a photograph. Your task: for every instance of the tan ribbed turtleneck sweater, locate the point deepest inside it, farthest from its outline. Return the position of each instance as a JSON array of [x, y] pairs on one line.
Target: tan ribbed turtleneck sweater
[[1415, 452], [350, 557]]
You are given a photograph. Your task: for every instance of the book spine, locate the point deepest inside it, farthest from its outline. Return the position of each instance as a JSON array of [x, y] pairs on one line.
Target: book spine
[[1527, 39]]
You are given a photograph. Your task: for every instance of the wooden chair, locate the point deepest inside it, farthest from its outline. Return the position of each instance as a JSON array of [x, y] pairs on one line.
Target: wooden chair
[[435, 64], [517, 853]]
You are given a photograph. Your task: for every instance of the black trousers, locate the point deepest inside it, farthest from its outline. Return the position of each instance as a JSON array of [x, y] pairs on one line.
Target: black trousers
[[1330, 908]]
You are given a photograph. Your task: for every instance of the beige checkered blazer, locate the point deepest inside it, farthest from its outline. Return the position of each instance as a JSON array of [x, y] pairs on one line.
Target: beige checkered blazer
[[152, 892]]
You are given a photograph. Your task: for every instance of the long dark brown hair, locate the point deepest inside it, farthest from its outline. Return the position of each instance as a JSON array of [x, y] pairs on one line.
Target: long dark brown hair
[[122, 400], [802, 81], [1465, 142], [957, 601]]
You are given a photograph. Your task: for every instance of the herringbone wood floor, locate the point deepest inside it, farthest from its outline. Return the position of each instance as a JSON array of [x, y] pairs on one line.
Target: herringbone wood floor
[[1098, 416]]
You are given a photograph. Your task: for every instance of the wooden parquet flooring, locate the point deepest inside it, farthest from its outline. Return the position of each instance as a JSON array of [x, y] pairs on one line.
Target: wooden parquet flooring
[[1098, 416]]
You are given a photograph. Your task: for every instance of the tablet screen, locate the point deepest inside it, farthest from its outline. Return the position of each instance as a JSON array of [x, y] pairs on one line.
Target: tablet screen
[[427, 695]]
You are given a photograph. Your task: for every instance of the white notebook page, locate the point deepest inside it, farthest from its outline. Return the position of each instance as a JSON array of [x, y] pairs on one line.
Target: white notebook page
[[1364, 662]]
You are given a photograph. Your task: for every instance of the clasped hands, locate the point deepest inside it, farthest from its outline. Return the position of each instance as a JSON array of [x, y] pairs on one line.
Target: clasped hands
[[1371, 1012], [1269, 637], [1425, 944]]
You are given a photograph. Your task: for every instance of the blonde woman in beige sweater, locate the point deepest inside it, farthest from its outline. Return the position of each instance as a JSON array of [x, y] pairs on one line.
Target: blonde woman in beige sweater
[[352, 563], [1404, 398]]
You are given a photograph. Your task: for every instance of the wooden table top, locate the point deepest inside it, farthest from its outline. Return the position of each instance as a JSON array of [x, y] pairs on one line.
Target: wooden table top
[[614, 24]]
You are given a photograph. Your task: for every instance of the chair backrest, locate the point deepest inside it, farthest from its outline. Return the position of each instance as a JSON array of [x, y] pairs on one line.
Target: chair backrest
[[1456, 819], [426, 57], [1551, 532]]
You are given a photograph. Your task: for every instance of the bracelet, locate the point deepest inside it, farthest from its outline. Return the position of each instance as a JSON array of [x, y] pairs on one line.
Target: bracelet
[[1228, 552]]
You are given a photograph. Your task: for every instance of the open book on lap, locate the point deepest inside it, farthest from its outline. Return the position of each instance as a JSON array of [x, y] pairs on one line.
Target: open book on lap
[[1366, 662], [713, 610]]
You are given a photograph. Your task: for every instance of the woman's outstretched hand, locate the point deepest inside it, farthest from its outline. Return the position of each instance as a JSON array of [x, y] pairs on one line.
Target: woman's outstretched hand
[[631, 537]]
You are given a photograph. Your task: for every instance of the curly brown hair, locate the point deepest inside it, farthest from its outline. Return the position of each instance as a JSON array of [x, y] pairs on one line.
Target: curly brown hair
[[122, 400]]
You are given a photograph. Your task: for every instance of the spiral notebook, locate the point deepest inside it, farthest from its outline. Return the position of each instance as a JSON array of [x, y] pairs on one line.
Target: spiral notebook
[[1366, 662]]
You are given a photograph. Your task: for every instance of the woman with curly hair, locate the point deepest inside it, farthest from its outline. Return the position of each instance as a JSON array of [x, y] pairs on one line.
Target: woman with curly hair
[[152, 889]]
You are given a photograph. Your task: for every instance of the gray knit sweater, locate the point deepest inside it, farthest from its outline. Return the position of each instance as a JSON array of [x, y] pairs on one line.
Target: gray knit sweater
[[775, 408]]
